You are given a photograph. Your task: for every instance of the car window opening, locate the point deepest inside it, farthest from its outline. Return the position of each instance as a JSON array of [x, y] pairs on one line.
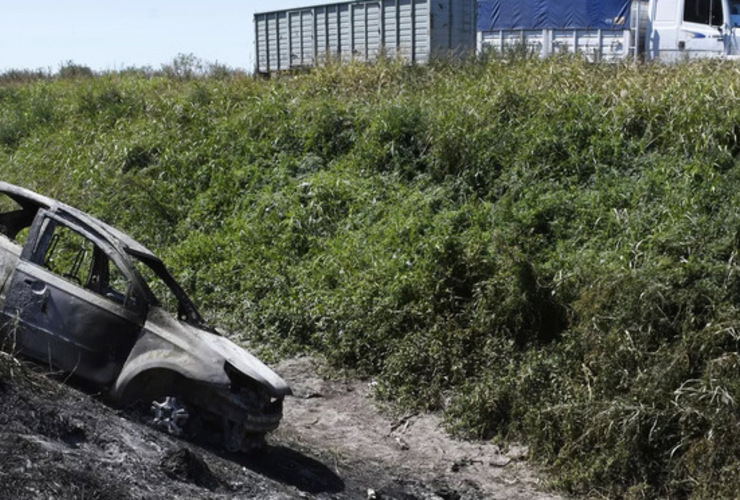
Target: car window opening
[[77, 259], [15, 220], [168, 293]]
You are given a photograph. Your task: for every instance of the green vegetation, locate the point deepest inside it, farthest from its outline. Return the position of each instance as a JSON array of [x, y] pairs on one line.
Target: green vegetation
[[544, 251]]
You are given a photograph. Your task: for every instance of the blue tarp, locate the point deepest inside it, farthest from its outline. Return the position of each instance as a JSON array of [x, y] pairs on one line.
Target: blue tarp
[[553, 14]]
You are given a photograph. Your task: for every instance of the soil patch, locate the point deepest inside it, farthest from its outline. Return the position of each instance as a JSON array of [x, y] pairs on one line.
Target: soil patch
[[341, 418], [58, 442]]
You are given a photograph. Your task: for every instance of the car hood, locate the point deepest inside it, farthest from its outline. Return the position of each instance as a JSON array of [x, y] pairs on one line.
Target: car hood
[[206, 353]]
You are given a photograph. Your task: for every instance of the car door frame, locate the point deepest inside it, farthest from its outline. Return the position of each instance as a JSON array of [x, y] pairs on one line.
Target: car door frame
[[72, 327]]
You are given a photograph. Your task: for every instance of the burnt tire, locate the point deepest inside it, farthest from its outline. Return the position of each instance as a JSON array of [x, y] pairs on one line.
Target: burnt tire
[[174, 416]]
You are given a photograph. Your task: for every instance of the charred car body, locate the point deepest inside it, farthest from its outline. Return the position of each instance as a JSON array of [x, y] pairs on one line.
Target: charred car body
[[86, 298]]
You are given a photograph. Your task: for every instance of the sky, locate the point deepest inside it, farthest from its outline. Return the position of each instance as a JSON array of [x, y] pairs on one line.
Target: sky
[[113, 35]]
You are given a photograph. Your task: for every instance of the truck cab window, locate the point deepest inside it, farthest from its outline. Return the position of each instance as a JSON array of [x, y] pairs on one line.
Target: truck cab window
[[703, 12], [735, 13]]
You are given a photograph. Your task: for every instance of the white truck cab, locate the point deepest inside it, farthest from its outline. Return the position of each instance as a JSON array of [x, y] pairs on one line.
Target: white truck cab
[[691, 29]]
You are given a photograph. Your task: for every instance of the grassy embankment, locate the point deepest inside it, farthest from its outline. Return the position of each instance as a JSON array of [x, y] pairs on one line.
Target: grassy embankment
[[545, 251]]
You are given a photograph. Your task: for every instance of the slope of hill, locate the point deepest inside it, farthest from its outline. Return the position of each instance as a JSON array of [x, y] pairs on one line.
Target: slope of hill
[[544, 251], [58, 442]]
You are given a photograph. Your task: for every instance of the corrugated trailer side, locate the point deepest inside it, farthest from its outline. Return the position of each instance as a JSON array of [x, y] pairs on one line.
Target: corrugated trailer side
[[453, 27], [414, 30]]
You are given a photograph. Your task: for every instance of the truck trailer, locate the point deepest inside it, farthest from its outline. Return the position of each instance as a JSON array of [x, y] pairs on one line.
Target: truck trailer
[[612, 30], [364, 30]]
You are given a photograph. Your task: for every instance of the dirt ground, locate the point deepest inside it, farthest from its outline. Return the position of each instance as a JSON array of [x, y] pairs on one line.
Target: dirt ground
[[59, 442]]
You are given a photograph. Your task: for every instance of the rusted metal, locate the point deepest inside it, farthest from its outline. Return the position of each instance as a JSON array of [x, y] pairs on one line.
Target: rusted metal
[[74, 294]]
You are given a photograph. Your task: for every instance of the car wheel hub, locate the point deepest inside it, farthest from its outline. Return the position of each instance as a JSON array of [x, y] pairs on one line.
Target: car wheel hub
[[170, 415]]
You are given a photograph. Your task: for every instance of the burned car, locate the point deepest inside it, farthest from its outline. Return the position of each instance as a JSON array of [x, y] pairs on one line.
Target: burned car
[[81, 296]]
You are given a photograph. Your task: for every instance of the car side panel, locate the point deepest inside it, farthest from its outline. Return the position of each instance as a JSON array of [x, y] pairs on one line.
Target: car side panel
[[72, 328]]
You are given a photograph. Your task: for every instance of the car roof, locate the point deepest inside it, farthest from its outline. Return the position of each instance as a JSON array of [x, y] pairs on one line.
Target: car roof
[[30, 200]]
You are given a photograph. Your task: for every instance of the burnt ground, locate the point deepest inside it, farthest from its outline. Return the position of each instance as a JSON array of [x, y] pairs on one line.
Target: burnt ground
[[59, 442]]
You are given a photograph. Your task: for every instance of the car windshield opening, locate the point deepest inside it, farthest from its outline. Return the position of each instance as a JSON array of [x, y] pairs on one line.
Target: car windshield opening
[[168, 293]]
